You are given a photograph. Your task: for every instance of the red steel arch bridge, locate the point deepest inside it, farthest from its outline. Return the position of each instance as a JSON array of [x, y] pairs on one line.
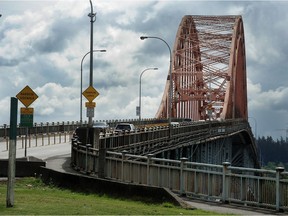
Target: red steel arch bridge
[[208, 70], [214, 156], [206, 84]]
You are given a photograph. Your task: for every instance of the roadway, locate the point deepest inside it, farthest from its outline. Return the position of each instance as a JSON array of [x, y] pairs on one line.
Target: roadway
[[41, 152]]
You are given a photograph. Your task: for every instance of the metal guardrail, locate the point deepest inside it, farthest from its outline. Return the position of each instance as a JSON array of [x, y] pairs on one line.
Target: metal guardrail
[[61, 127], [254, 187], [223, 183], [54, 132], [41, 128], [220, 183], [180, 135]]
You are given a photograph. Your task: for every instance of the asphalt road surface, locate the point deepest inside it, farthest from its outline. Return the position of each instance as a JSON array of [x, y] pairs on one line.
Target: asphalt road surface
[[41, 152]]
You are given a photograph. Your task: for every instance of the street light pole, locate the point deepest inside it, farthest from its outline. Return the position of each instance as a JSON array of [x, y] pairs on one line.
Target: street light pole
[[92, 20], [81, 81], [170, 77], [140, 89]]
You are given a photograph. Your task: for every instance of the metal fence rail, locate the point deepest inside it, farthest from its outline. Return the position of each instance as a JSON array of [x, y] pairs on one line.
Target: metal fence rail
[[36, 140], [255, 187], [41, 128], [51, 127], [247, 186], [197, 130]]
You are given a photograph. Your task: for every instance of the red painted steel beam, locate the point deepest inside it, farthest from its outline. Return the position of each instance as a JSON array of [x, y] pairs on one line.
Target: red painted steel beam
[[208, 70]]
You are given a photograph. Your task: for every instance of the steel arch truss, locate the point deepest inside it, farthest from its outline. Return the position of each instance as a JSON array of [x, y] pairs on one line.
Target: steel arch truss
[[208, 70]]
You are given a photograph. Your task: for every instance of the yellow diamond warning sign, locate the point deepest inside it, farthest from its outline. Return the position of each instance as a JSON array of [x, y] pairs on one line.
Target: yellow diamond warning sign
[[90, 93], [27, 96]]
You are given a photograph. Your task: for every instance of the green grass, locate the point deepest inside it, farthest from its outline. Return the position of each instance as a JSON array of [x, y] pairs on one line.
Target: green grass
[[33, 197]]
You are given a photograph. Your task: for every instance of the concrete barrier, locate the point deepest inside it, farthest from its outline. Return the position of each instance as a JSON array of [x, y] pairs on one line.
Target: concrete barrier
[[25, 167], [88, 184]]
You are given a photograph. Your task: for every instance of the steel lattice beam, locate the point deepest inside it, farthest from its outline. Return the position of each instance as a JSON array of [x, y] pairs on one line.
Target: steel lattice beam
[[208, 70]]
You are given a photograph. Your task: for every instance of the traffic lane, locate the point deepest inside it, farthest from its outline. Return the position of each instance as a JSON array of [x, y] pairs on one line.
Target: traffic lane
[[40, 152]]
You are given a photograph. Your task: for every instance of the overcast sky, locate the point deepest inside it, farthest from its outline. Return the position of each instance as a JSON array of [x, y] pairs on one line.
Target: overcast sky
[[42, 44]]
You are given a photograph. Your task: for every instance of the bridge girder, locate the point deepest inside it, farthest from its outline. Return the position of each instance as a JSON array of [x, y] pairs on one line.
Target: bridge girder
[[208, 70]]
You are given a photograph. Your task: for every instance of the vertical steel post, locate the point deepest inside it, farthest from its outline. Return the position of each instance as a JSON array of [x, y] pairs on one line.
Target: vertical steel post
[[279, 170], [225, 183], [182, 179], [86, 161], [12, 152], [122, 164], [149, 156], [92, 20]]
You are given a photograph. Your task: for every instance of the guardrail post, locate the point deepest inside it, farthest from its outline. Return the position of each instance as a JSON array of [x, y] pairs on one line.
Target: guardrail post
[[78, 159], [86, 161], [122, 164], [149, 162], [102, 158], [225, 182], [279, 170], [182, 177]]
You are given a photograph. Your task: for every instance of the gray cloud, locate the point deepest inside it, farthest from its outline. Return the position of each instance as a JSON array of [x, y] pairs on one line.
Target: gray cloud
[[42, 44]]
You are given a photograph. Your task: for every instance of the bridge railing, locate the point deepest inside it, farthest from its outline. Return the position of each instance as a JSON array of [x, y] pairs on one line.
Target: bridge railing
[[258, 187], [40, 128], [60, 127], [223, 183], [158, 135], [39, 135], [53, 132]]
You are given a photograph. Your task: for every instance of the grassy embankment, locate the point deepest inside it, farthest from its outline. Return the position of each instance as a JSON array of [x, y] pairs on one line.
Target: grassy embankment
[[33, 197]]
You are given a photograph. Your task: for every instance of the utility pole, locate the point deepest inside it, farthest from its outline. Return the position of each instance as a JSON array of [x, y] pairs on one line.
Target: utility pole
[[92, 20]]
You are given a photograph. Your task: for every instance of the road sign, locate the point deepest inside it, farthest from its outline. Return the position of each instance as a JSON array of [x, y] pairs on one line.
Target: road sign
[[26, 117], [137, 111], [90, 104], [90, 112], [27, 96], [26, 111], [90, 93]]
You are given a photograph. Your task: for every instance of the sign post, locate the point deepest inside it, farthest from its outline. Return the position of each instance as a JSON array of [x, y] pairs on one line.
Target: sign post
[[27, 96], [12, 153]]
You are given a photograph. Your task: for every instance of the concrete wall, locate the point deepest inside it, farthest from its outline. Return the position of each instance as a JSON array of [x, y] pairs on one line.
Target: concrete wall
[[87, 184], [24, 167]]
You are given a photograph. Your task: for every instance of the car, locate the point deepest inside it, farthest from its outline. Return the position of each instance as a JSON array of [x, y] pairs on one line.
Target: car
[[103, 126], [123, 127], [175, 124]]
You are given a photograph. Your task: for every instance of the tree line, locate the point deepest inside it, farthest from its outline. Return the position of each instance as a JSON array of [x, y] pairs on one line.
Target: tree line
[[273, 153]]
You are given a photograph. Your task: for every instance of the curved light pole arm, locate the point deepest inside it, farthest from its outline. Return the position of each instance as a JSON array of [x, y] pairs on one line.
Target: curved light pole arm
[[140, 89], [170, 76], [81, 80]]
